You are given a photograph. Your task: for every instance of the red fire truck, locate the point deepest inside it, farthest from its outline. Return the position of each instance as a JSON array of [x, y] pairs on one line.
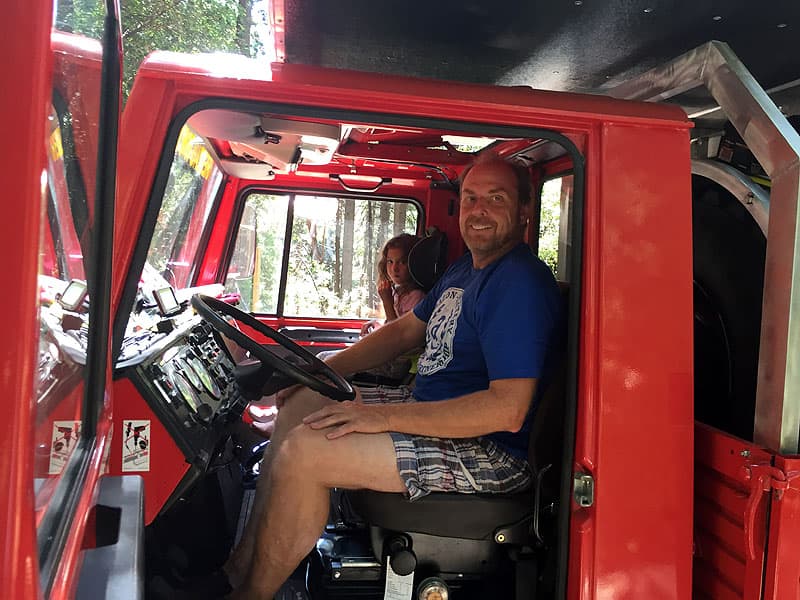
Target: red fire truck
[[665, 460]]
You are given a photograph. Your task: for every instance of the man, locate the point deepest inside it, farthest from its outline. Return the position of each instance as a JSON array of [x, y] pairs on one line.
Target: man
[[488, 327]]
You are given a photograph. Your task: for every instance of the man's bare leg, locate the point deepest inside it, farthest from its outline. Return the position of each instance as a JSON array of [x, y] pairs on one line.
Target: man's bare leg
[[303, 469], [302, 403]]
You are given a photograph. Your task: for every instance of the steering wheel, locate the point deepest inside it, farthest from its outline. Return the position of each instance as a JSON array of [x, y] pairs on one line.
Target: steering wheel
[[212, 309]]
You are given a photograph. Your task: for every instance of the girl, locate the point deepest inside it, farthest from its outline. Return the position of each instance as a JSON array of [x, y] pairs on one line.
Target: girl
[[398, 291]]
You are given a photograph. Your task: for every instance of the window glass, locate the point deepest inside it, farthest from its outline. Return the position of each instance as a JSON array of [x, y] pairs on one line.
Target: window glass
[[63, 333], [65, 255], [255, 269], [334, 249], [189, 197], [554, 240]]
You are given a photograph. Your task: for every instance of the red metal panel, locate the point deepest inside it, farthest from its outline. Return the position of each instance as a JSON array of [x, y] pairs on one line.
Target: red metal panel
[[167, 463], [167, 83], [783, 550], [25, 77], [723, 566], [635, 413]]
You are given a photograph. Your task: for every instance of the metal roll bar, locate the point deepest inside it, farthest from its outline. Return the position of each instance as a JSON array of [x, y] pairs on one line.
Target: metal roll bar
[[776, 146]]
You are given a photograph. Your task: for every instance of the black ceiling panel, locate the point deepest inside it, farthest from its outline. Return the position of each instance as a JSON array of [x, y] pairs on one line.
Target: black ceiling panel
[[573, 45]]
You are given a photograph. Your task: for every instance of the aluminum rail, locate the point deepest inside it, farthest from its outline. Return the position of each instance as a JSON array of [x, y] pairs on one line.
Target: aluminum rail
[[776, 146]]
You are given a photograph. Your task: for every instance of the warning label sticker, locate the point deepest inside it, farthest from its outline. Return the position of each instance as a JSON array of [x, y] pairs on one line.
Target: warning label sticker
[[136, 445], [65, 437]]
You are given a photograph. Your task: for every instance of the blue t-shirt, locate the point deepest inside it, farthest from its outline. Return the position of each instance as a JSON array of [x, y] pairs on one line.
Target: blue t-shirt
[[499, 322]]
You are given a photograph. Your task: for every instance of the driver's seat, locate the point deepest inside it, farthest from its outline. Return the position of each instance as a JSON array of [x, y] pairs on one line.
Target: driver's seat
[[454, 535]]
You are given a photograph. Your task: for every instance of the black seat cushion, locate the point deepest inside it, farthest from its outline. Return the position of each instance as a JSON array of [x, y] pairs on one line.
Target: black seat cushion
[[466, 516]]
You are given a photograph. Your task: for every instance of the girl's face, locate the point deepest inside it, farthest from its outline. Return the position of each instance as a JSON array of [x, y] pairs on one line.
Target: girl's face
[[397, 266]]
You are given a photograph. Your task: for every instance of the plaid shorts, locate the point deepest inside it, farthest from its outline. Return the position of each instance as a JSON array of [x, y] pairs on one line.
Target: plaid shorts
[[466, 466]]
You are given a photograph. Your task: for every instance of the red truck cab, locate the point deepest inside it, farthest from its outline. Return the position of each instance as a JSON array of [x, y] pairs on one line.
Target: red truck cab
[[129, 466]]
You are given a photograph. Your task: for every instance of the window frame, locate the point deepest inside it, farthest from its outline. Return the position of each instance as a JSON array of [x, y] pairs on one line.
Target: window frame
[[567, 274]]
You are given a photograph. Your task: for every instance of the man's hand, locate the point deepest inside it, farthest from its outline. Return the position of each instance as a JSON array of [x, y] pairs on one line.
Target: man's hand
[[369, 327], [349, 417]]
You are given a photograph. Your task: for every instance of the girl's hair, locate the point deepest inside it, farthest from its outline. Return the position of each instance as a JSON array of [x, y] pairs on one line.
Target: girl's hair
[[404, 241]]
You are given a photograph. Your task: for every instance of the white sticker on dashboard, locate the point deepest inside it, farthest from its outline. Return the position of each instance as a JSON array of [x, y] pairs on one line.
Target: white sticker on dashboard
[[136, 445], [65, 438]]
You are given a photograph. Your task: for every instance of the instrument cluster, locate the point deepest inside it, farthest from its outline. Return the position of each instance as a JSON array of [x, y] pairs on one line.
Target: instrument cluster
[[187, 379]]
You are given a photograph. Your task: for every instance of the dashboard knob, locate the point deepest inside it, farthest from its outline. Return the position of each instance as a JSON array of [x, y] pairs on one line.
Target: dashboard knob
[[205, 412]]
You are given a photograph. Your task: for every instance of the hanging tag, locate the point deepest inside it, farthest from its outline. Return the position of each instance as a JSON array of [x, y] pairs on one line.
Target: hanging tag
[[398, 587]]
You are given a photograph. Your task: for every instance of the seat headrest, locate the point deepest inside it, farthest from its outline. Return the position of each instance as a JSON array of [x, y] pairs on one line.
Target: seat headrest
[[427, 260]]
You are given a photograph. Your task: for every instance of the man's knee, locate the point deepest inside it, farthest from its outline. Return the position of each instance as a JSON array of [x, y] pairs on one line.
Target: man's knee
[[296, 453], [299, 405]]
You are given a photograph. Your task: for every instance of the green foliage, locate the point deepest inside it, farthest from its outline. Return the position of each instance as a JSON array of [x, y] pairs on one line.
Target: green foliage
[[84, 17], [180, 25], [549, 224], [191, 26]]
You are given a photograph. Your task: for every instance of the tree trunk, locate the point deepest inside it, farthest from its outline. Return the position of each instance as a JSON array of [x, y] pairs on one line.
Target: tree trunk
[[400, 209], [369, 256], [383, 218], [244, 25], [347, 245], [337, 251]]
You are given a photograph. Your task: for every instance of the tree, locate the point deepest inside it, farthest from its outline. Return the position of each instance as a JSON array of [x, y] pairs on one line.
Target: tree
[[180, 25], [183, 26]]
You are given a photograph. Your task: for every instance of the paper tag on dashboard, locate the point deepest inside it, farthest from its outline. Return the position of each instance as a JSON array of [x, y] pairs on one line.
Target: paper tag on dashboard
[[398, 587], [136, 446]]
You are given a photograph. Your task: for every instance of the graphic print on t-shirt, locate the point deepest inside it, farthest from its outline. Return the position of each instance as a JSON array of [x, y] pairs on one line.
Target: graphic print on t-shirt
[[440, 332]]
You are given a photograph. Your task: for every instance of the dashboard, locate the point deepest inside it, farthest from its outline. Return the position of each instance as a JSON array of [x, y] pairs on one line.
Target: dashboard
[[186, 378]]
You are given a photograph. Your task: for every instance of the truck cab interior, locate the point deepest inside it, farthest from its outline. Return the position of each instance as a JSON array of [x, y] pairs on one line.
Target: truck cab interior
[[282, 215]]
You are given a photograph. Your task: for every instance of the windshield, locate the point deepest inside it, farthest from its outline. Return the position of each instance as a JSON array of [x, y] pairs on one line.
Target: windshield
[[191, 189], [188, 198]]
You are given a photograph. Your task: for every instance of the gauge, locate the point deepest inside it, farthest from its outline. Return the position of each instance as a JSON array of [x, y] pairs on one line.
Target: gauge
[[201, 372], [190, 374], [186, 391]]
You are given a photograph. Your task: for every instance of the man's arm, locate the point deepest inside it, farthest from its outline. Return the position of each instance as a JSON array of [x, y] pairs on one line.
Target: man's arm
[[382, 345], [502, 407]]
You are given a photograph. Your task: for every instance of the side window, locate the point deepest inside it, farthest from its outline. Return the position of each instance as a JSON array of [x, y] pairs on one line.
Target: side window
[[555, 243], [64, 412], [63, 326], [334, 245]]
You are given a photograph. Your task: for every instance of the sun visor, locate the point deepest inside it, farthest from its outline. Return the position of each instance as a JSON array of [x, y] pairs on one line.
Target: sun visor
[[280, 144]]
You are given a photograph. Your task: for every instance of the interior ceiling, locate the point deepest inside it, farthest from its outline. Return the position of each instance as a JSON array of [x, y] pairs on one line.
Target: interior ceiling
[[569, 45]]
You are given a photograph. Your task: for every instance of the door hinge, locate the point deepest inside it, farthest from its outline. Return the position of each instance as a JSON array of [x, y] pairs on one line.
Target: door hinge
[[583, 489], [763, 478]]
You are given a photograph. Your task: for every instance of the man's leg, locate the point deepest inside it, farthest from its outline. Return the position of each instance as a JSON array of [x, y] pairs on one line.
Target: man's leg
[[302, 467], [302, 403]]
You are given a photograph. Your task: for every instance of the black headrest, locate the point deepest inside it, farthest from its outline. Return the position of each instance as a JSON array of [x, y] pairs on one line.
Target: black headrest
[[427, 260]]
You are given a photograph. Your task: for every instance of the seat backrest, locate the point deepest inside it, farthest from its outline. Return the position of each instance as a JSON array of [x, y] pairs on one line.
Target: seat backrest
[[547, 431], [427, 260], [546, 436]]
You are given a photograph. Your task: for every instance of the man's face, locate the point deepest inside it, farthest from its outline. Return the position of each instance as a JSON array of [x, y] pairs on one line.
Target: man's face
[[491, 216]]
